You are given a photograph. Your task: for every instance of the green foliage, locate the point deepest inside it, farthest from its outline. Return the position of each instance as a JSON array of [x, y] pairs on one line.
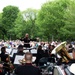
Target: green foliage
[[1, 28], [54, 19], [30, 26], [68, 29], [8, 18], [19, 25]]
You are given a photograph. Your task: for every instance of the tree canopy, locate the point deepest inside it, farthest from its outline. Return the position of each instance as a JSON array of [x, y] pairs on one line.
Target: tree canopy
[[9, 16], [55, 20]]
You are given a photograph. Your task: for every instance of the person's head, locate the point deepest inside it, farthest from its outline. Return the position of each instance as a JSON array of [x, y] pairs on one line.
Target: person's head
[[26, 35], [20, 48], [52, 47], [73, 53], [39, 47], [3, 49], [49, 46], [28, 57]]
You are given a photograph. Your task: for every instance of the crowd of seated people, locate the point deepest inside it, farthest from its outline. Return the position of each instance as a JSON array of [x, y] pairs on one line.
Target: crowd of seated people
[[44, 50]]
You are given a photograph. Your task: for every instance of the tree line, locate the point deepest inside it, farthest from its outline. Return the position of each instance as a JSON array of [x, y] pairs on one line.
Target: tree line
[[54, 21]]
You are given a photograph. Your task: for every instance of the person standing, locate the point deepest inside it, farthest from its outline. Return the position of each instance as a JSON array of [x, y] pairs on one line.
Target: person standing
[[27, 40]]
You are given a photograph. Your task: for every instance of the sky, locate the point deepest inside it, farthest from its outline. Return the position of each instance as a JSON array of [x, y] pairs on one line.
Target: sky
[[22, 4]]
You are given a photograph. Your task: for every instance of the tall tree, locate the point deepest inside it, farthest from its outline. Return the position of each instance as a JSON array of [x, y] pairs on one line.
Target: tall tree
[[68, 30], [2, 29], [51, 18], [8, 17], [19, 26], [30, 16]]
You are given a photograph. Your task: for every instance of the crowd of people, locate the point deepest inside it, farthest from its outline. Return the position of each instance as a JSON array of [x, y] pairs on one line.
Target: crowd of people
[[43, 49]]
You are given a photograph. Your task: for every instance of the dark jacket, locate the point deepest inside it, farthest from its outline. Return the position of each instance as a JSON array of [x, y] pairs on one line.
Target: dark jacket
[[26, 42], [27, 69], [6, 66], [3, 57], [40, 54]]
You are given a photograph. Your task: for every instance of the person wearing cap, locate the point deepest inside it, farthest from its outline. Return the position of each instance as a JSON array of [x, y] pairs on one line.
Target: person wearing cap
[[28, 68]]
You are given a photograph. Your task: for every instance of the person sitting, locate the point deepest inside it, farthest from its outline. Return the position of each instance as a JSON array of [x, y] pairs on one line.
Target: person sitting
[[3, 55], [28, 68], [19, 52], [40, 54], [5, 59]]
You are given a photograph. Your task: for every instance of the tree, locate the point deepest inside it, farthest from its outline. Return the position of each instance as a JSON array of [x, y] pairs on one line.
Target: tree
[[30, 26], [68, 30], [1, 27], [8, 18], [19, 26], [51, 18]]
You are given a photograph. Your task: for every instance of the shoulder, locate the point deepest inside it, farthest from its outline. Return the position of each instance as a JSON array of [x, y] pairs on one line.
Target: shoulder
[[19, 68], [35, 67], [37, 70]]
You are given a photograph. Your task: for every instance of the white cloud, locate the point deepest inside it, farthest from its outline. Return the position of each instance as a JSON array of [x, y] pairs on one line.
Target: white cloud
[[22, 4]]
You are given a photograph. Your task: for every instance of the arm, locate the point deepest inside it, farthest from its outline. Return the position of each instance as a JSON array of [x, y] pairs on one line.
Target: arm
[[33, 39], [22, 39], [39, 72]]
